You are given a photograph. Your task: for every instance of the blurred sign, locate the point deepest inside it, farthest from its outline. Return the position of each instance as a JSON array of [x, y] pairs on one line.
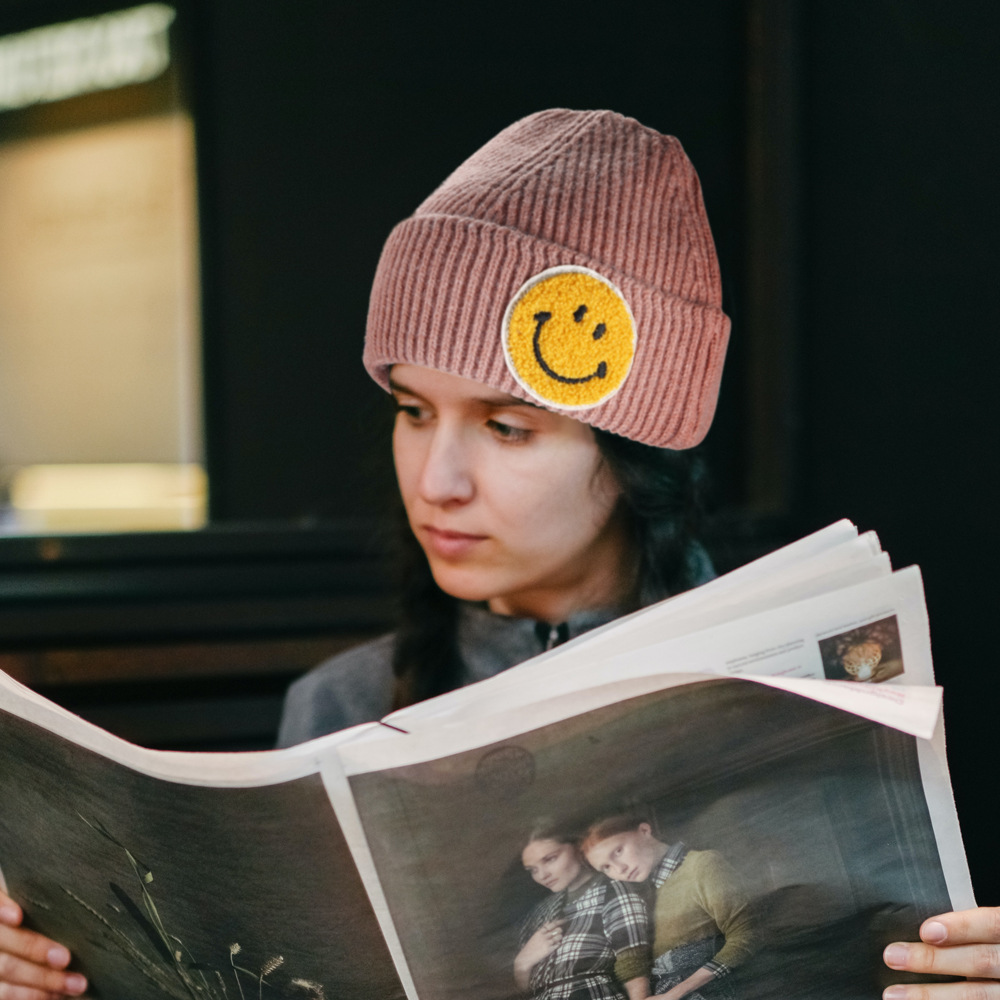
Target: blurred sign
[[100, 375], [82, 56]]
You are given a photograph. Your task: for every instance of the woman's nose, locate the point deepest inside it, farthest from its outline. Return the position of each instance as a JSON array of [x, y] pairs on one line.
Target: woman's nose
[[446, 474]]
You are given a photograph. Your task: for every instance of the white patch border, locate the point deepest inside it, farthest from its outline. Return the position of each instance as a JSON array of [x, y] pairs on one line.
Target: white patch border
[[505, 333]]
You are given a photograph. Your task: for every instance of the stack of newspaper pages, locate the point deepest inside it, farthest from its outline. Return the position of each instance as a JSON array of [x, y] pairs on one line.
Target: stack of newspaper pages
[[783, 716]]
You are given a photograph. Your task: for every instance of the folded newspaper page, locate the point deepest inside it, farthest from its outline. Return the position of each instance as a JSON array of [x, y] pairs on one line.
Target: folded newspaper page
[[826, 607], [806, 837], [779, 726]]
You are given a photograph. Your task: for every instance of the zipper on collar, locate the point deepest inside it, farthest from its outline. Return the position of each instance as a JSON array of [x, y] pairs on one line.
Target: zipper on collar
[[551, 636]]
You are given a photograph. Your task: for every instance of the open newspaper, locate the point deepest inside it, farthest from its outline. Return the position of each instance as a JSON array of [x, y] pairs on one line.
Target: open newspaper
[[780, 723]]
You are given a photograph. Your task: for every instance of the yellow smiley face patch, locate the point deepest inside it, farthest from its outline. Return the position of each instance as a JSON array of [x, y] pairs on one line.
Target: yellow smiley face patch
[[569, 337]]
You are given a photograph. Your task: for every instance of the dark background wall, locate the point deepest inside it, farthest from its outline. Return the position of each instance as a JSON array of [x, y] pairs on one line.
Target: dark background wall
[[898, 345], [321, 130]]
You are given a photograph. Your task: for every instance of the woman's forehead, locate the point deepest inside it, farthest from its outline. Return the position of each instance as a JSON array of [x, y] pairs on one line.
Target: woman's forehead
[[422, 381], [540, 848]]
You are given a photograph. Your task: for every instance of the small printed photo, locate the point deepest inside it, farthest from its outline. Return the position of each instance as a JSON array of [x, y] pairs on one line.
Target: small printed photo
[[870, 653]]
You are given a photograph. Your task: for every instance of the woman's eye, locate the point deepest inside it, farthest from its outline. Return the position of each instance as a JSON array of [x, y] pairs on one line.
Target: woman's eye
[[411, 410], [507, 432]]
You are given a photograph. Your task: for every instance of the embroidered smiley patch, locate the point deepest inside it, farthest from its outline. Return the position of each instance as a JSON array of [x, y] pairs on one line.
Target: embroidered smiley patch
[[569, 337]]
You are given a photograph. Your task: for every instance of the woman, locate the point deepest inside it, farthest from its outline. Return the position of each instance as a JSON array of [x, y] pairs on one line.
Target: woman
[[702, 919], [590, 939], [548, 321]]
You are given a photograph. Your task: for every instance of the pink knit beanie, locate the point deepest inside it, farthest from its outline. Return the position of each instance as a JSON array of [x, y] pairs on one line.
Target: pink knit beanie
[[568, 262]]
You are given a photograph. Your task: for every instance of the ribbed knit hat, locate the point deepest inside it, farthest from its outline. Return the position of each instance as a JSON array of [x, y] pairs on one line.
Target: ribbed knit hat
[[568, 262]]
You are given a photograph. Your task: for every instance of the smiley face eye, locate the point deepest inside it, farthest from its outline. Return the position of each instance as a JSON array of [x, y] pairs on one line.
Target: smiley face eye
[[599, 331], [580, 313]]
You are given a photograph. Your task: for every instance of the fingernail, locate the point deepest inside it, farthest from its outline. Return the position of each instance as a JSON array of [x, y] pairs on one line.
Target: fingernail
[[934, 932], [75, 983], [58, 957], [894, 993], [895, 956], [9, 914]]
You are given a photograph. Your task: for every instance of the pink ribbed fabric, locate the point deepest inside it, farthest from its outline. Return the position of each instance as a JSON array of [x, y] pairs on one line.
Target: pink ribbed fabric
[[587, 188]]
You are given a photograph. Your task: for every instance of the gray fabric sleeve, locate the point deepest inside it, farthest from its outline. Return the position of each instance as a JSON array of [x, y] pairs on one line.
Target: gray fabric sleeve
[[346, 690]]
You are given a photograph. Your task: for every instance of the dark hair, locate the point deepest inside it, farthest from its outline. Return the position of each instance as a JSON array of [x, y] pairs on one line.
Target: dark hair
[[549, 829], [661, 500]]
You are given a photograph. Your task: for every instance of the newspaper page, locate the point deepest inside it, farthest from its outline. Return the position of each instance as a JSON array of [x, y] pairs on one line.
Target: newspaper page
[[820, 835], [853, 634], [192, 876]]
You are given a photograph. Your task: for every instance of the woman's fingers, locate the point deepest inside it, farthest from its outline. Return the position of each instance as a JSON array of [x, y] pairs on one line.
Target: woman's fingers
[[23, 980], [978, 926], [944, 991], [31, 965], [33, 948], [977, 961], [966, 943], [10, 912]]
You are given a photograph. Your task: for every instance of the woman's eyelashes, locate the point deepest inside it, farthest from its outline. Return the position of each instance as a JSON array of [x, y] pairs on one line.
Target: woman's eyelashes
[[414, 411], [418, 413], [508, 432]]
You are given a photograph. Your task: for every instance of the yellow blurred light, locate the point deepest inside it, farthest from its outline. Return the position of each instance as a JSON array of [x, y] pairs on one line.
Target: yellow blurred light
[[118, 497]]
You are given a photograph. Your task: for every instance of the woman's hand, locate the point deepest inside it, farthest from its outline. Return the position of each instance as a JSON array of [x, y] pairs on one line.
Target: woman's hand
[[31, 966], [966, 943], [542, 943]]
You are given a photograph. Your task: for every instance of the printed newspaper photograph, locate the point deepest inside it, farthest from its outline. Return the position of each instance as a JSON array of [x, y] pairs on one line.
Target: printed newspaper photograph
[[745, 841]]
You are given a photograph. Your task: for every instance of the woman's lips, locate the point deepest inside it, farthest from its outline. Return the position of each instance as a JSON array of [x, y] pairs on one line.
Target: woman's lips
[[450, 544]]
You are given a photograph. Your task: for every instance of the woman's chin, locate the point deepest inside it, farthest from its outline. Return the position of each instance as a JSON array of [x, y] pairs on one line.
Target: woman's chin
[[462, 584]]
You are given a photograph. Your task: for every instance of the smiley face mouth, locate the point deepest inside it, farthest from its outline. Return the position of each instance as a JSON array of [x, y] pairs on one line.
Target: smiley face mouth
[[541, 318]]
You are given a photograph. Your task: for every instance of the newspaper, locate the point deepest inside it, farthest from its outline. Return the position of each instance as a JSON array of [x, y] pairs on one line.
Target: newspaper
[[782, 719]]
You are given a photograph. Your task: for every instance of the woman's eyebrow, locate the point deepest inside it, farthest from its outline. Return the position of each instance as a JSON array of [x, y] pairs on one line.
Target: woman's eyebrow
[[506, 400], [501, 399], [398, 388], [395, 386]]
